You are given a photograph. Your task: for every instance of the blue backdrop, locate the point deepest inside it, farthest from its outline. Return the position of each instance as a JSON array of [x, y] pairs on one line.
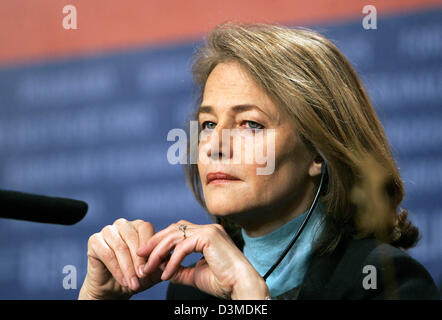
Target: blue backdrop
[[95, 127]]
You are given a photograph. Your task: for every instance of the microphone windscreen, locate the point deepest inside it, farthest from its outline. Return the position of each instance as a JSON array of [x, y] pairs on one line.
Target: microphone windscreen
[[39, 208]]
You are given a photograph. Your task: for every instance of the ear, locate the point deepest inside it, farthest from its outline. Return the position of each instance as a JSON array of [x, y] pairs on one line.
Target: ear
[[315, 167]]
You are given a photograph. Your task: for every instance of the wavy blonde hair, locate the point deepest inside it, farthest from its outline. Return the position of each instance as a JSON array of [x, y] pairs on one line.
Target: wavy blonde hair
[[307, 76]]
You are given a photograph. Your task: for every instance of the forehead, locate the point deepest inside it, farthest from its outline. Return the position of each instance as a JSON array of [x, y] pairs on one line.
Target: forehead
[[230, 84]]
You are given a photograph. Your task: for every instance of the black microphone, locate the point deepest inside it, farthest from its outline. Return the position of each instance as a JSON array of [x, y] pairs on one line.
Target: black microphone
[[38, 208]]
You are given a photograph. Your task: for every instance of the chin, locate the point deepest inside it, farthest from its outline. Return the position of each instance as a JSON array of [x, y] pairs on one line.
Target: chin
[[223, 210], [228, 201], [227, 207], [223, 207]]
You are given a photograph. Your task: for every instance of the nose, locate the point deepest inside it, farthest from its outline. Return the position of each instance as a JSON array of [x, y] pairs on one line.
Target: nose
[[219, 144]]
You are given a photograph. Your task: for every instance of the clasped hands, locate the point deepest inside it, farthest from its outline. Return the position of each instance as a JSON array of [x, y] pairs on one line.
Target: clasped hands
[[127, 257]]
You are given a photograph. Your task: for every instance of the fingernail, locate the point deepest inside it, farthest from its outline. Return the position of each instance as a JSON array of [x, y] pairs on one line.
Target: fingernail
[[134, 283], [146, 267], [141, 271]]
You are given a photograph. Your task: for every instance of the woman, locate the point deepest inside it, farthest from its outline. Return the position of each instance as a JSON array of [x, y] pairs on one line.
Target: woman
[[296, 86]]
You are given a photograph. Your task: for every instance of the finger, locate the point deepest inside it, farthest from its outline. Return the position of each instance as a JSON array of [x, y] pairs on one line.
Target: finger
[[122, 252], [186, 275], [182, 250], [162, 249], [100, 250], [146, 248], [145, 231], [130, 236], [154, 240]]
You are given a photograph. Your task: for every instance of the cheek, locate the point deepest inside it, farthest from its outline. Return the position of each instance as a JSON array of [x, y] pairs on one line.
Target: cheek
[[291, 161], [269, 189], [201, 169]]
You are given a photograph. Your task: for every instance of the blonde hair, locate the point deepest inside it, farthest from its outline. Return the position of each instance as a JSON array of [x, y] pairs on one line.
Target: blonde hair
[[307, 77]]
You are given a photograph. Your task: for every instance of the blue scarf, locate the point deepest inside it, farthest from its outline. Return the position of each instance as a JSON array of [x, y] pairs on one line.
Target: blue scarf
[[262, 252]]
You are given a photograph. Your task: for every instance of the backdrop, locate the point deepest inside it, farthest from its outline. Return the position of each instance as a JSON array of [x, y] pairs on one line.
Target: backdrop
[[92, 124]]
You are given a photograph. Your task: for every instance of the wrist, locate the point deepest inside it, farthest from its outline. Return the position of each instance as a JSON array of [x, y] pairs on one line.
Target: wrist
[[87, 292], [87, 295], [251, 289]]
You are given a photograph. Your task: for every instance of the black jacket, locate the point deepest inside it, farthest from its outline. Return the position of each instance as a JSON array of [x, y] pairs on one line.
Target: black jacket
[[341, 276]]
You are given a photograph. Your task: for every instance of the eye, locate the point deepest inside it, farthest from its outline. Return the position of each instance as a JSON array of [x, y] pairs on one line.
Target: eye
[[254, 125], [208, 125]]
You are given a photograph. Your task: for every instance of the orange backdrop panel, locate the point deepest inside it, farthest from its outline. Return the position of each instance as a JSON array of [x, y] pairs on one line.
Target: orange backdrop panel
[[32, 29]]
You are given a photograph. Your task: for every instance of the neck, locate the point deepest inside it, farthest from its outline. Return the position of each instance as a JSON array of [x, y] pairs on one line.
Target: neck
[[258, 222]]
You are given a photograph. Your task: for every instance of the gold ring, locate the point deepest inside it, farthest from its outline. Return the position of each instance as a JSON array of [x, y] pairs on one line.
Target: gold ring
[[182, 228]]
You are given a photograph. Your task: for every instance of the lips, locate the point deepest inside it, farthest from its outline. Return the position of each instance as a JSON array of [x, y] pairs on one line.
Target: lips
[[220, 177]]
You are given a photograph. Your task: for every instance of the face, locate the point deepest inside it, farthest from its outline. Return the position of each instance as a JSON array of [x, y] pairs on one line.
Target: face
[[232, 100]]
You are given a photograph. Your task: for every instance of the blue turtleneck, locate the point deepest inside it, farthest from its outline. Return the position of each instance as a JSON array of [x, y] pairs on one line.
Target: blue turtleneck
[[262, 252]]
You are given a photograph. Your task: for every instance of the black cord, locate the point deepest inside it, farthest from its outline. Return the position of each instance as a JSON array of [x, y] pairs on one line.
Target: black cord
[[298, 233]]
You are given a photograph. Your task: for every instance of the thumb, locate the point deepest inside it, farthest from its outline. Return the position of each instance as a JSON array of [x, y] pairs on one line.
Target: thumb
[[201, 278], [184, 275]]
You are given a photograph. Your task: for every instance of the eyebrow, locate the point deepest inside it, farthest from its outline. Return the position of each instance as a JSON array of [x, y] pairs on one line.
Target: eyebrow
[[237, 109]]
